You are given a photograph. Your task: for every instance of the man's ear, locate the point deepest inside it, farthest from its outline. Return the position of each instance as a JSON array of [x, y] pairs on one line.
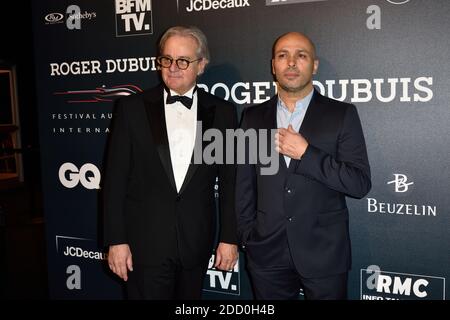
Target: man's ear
[[201, 66], [316, 66]]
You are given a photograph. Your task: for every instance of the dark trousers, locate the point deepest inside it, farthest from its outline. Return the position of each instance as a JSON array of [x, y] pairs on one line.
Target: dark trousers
[[283, 282], [168, 281]]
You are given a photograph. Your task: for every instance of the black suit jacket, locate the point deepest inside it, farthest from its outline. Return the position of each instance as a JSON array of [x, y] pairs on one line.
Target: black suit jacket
[[305, 203], [141, 205]]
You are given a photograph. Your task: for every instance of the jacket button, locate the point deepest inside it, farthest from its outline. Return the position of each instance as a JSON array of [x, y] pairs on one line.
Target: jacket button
[[177, 199], [290, 219]]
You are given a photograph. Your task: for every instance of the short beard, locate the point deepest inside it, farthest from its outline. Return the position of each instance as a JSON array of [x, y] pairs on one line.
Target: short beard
[[292, 89]]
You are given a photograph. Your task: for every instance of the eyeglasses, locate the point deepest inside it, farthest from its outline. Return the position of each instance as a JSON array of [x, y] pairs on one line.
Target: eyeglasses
[[182, 63]]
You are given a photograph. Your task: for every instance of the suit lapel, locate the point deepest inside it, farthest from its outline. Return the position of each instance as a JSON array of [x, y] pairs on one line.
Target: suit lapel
[[205, 115], [311, 117], [270, 114], [308, 124], [270, 122], [157, 119]]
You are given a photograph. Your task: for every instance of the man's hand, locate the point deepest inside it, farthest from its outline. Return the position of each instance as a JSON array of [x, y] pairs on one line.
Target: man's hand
[[119, 260], [226, 256], [290, 143]]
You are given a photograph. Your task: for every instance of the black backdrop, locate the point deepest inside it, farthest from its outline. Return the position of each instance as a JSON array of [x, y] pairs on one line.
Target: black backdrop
[[389, 58]]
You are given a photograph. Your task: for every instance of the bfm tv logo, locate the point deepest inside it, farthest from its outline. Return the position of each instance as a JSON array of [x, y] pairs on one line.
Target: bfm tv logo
[[383, 285], [133, 17], [88, 175], [227, 282]]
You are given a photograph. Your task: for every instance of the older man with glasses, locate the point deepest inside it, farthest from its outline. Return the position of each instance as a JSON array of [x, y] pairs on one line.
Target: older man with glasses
[[160, 207]]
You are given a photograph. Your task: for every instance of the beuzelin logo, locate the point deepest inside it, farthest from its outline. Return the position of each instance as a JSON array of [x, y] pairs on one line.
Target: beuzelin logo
[[400, 183], [401, 187]]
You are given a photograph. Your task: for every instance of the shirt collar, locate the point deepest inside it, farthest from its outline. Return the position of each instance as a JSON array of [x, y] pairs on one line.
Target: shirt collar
[[189, 93], [300, 104]]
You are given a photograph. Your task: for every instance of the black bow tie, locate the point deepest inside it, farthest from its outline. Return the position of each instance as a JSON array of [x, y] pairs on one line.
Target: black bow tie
[[186, 101]]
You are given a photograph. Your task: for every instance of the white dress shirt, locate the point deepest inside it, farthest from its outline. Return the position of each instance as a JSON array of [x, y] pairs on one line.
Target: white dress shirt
[[181, 124], [295, 118]]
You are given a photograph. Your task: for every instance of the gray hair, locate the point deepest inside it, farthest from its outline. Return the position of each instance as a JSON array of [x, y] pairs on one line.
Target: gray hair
[[190, 31]]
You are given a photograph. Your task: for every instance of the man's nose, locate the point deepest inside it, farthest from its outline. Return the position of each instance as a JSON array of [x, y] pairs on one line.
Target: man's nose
[[173, 67], [292, 62]]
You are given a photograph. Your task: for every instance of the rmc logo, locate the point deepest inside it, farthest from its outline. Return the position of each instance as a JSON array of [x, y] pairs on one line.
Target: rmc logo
[[383, 285], [88, 175]]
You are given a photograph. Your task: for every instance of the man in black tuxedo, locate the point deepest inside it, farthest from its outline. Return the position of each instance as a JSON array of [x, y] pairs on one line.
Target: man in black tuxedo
[[293, 225], [159, 205]]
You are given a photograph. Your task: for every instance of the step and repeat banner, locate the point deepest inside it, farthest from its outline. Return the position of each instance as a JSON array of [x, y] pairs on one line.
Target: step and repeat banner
[[390, 58]]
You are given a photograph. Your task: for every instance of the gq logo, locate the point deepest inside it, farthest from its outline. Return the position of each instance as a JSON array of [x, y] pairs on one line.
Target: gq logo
[[88, 175], [222, 281], [133, 17], [383, 285]]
